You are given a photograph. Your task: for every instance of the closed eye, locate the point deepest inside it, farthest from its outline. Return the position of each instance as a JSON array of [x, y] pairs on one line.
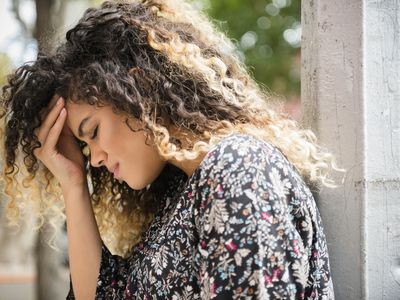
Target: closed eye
[[95, 132]]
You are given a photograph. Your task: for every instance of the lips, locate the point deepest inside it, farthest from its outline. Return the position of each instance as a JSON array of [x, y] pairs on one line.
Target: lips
[[116, 172], [114, 169]]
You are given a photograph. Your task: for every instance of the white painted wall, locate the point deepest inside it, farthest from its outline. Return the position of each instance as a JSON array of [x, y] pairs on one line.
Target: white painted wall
[[351, 99]]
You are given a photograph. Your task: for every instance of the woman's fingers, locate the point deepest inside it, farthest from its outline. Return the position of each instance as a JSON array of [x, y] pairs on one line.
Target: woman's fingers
[[49, 117], [59, 152], [44, 112], [49, 120], [54, 133]]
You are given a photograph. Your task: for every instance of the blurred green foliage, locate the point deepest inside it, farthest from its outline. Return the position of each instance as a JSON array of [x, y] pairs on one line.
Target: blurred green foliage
[[268, 34]]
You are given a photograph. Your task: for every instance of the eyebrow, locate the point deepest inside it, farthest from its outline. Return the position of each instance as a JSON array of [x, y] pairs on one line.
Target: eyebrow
[[80, 129]]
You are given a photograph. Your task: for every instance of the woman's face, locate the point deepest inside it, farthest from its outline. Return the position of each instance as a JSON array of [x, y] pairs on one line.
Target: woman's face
[[112, 143]]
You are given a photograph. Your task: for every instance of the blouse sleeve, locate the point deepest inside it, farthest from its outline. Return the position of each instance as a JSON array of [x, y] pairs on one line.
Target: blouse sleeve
[[112, 278], [248, 244]]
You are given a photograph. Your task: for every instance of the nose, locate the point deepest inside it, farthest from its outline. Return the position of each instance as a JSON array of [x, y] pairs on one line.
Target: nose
[[97, 157]]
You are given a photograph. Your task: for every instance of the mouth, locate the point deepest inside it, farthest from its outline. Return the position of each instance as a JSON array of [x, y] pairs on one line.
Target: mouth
[[115, 170]]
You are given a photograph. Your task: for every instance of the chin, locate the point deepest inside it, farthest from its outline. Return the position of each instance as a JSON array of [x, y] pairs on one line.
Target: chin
[[135, 185], [139, 183]]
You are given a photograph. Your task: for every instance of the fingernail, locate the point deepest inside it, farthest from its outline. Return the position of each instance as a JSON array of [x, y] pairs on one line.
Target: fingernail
[[59, 101]]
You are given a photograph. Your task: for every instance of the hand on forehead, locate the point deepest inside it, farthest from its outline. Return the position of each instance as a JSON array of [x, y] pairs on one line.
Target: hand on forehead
[[43, 113]]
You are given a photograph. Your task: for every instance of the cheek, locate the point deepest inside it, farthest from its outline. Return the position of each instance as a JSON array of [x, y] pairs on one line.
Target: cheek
[[124, 145], [113, 136], [142, 162]]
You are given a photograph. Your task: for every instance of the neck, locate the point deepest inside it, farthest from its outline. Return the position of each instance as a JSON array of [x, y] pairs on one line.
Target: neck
[[188, 166]]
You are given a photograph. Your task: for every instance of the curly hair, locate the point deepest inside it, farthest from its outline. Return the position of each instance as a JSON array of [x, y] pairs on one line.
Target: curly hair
[[166, 64]]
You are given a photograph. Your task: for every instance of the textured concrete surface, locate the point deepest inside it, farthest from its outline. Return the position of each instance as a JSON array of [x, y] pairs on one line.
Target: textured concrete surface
[[350, 98]]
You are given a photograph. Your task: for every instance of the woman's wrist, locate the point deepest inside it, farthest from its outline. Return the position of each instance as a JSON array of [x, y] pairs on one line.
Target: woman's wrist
[[75, 192], [79, 186]]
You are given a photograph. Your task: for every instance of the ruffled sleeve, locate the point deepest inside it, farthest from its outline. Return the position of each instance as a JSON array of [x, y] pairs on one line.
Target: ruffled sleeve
[[249, 247], [112, 279]]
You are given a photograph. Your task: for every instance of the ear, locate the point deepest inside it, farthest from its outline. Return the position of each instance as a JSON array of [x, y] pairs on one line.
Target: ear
[[133, 124]]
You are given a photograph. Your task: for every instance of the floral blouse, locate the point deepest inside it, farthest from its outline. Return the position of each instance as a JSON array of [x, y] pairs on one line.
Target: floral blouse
[[243, 226]]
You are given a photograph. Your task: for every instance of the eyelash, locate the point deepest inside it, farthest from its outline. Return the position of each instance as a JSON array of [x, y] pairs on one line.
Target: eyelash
[[95, 133]]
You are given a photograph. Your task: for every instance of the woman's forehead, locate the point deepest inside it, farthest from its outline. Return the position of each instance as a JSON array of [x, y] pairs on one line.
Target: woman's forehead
[[76, 112], [83, 107]]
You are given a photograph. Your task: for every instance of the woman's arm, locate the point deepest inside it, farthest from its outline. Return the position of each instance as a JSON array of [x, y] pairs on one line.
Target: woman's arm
[[84, 242], [61, 154], [94, 270]]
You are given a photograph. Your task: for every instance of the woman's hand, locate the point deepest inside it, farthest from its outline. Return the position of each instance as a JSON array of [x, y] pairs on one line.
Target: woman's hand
[[60, 152]]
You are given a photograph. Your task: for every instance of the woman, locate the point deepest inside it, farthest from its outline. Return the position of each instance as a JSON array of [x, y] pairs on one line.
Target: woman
[[167, 153]]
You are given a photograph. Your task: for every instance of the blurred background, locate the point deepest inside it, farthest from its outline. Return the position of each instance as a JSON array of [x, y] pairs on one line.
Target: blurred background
[[268, 36]]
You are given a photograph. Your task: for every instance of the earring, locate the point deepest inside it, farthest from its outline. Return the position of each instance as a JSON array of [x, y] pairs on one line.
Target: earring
[[86, 150]]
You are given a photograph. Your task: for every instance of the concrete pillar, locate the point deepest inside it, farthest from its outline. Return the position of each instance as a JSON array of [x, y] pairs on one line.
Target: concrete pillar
[[351, 99]]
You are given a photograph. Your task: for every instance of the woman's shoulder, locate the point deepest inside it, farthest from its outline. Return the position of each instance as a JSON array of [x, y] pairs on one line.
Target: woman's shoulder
[[240, 151], [240, 158]]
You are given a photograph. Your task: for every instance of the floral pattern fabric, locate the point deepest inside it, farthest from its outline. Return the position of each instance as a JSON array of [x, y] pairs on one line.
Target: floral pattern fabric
[[243, 226]]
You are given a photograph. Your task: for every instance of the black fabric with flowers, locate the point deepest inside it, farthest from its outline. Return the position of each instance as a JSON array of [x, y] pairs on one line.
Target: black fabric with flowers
[[243, 226]]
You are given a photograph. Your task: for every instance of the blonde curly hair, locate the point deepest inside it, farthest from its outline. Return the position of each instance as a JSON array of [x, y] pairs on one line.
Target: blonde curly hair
[[164, 63]]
